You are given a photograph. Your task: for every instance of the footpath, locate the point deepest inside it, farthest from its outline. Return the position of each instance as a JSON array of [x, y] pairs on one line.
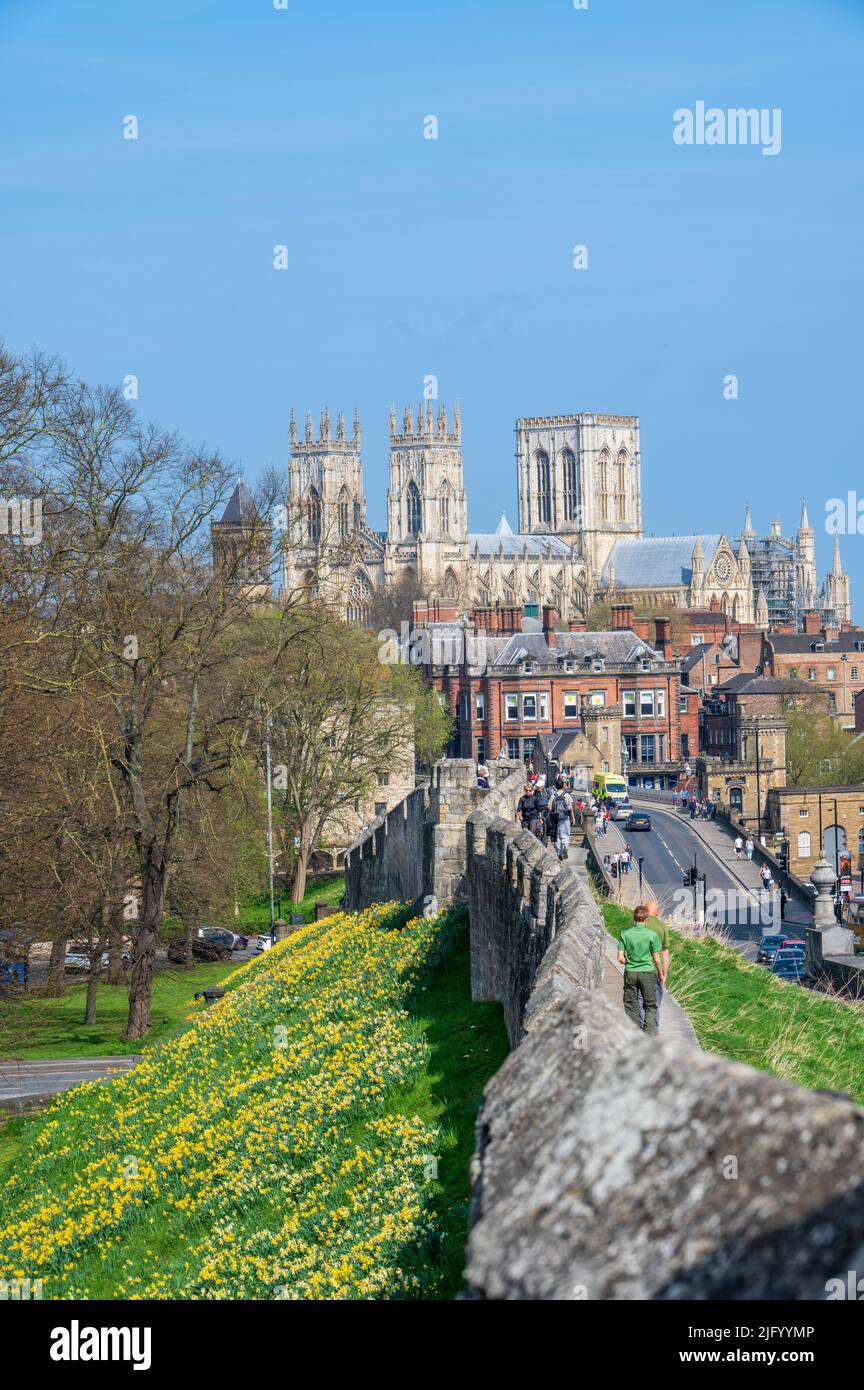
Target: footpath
[[674, 1022]]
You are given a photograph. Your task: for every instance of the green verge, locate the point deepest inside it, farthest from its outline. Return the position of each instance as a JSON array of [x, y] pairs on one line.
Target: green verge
[[256, 912], [38, 1026], [449, 1049], [741, 1011]]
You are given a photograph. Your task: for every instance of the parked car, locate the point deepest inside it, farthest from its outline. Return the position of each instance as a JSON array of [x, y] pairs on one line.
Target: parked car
[[233, 940], [638, 820], [777, 941], [790, 968], [78, 960]]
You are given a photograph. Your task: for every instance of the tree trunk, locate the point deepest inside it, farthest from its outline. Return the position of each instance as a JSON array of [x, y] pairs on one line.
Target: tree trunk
[[56, 977], [145, 938], [95, 973], [298, 890]]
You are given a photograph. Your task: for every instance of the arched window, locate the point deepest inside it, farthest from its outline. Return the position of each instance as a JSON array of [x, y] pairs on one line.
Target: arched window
[[544, 504], [451, 584], [359, 597], [344, 507], [571, 488], [314, 516], [444, 508], [603, 484], [356, 515], [804, 844], [415, 510], [621, 486]]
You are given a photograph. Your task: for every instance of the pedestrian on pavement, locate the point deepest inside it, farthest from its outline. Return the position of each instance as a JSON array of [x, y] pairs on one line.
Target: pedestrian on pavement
[[739, 846], [639, 951], [541, 798], [526, 810], [749, 846], [766, 877], [655, 923], [564, 817]]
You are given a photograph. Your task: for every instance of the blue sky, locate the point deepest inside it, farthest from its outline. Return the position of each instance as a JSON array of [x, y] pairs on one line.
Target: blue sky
[[454, 257]]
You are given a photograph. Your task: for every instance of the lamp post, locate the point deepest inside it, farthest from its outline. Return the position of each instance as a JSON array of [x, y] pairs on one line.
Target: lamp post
[[758, 792], [269, 781], [641, 861]]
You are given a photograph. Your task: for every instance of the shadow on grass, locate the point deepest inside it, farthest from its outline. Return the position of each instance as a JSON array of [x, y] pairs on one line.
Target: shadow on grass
[[467, 1043]]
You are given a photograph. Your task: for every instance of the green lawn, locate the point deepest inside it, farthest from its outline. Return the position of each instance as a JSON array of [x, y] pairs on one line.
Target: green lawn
[[256, 912], [741, 1011], [36, 1026]]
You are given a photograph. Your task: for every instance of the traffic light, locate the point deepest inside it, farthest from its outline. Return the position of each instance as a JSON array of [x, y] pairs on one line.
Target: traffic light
[[690, 878]]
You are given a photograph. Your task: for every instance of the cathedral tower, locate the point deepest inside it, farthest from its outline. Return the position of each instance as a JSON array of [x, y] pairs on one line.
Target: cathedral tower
[[806, 542], [579, 478], [426, 498], [326, 500]]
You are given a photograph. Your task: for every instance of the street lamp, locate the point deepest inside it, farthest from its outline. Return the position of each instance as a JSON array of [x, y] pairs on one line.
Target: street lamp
[[269, 781]]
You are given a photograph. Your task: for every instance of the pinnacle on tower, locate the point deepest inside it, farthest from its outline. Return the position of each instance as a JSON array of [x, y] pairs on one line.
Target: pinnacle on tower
[[293, 428], [392, 418], [748, 524], [309, 435], [420, 418], [357, 425], [340, 428], [442, 420], [428, 417], [761, 610], [408, 422], [457, 421], [805, 520], [325, 425], [836, 568]]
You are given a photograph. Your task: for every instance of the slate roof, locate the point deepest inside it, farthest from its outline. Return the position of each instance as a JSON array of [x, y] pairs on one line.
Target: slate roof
[[657, 561], [508, 542], [616, 648], [241, 510]]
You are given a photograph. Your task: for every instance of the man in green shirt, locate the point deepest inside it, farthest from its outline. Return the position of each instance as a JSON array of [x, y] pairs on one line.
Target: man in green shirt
[[639, 952], [655, 923]]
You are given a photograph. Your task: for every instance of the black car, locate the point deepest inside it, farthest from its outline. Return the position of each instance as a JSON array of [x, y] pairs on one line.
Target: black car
[[638, 820]]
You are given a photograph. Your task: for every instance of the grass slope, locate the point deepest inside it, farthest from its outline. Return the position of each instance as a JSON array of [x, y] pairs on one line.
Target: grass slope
[[743, 1012], [284, 1146]]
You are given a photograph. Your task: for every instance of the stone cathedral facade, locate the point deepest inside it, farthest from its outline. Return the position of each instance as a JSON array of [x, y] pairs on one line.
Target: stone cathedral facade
[[580, 537]]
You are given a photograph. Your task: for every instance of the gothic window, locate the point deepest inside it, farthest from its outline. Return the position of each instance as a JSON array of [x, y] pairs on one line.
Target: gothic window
[[603, 484], [451, 584], [544, 505], [359, 597], [415, 510], [344, 512], [356, 515], [571, 494], [621, 486], [445, 510], [314, 516]]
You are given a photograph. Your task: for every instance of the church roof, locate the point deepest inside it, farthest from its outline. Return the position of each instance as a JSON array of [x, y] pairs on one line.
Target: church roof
[[241, 510], [515, 544], [657, 561]]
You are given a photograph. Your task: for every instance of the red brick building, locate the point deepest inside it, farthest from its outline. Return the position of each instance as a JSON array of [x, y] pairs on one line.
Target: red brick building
[[510, 685]]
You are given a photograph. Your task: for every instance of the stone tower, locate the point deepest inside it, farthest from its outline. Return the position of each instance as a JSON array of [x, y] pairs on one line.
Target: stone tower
[[579, 478], [326, 499], [241, 546], [837, 605], [426, 498], [806, 544]]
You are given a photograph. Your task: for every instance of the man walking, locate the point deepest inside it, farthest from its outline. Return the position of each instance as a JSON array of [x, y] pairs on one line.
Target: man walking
[[656, 924], [749, 846], [639, 951], [739, 846], [561, 813]]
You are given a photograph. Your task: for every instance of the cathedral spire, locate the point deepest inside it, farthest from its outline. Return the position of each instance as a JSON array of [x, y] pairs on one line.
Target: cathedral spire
[[748, 524], [805, 520], [836, 568]]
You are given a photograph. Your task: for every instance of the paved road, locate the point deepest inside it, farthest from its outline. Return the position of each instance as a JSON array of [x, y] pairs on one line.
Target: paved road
[[668, 850], [28, 1079]]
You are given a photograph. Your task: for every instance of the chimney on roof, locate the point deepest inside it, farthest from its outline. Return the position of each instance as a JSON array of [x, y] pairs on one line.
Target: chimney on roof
[[714, 605], [640, 627], [831, 634], [663, 637], [577, 625], [622, 616], [812, 623], [549, 616]]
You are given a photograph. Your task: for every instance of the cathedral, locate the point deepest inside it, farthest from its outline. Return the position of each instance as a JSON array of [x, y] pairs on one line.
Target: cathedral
[[580, 538]]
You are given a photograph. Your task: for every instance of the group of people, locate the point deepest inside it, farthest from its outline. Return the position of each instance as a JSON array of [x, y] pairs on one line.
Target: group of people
[[548, 812], [699, 810], [643, 950], [621, 862]]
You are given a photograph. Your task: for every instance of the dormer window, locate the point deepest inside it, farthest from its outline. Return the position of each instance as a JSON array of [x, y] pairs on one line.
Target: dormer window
[[528, 667], [597, 664], [645, 663]]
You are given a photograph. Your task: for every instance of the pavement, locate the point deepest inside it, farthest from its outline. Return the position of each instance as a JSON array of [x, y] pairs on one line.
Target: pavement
[[25, 1083], [674, 1023]]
